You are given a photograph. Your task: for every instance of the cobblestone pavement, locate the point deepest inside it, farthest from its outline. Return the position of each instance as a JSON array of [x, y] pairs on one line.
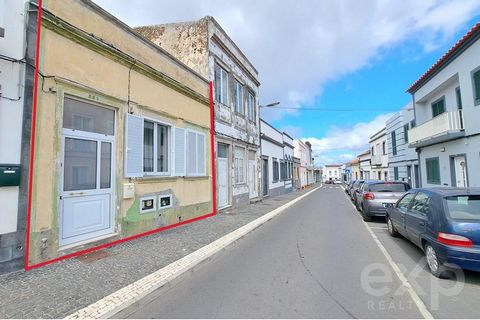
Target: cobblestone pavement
[[59, 289]]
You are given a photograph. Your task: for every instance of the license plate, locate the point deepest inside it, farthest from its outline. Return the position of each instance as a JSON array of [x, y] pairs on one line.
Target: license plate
[[387, 205]]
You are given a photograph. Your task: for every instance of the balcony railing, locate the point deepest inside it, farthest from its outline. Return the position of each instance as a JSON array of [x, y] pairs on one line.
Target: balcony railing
[[376, 160], [444, 127]]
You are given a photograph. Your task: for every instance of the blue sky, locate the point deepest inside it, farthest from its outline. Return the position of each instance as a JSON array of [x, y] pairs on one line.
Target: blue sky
[[341, 54]]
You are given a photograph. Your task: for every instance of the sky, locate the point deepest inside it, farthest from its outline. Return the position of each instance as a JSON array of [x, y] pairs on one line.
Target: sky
[[339, 68]]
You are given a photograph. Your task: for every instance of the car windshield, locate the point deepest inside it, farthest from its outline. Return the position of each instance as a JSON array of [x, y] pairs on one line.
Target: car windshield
[[466, 207], [388, 187]]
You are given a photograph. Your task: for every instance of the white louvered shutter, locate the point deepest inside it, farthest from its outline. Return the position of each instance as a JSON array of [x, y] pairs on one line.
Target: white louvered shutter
[[133, 146], [179, 152], [201, 154], [192, 153]]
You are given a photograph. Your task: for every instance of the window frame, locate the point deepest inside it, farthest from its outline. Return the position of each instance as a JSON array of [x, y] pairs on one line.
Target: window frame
[[251, 111], [476, 95], [275, 171], [219, 90], [430, 181], [458, 97], [434, 103], [394, 142], [396, 175], [238, 106], [169, 126], [235, 167]]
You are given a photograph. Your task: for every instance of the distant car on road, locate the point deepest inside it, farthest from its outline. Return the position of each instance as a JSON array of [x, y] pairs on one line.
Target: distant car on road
[[337, 181], [444, 223], [376, 196]]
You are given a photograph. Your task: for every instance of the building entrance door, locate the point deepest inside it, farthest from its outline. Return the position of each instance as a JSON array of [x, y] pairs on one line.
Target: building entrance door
[[88, 172], [222, 175], [265, 176], [461, 172]]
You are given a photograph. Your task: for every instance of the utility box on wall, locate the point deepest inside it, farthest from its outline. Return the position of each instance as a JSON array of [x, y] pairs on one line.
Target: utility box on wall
[[9, 175]]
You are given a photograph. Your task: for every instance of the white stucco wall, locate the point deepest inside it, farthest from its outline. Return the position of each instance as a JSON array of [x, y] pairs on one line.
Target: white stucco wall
[[11, 112]]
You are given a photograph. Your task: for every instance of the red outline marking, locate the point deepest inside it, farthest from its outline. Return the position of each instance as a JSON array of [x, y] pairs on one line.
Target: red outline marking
[[32, 139], [113, 243]]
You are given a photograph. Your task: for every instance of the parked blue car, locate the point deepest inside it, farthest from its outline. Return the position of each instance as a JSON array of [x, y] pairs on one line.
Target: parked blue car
[[444, 222]]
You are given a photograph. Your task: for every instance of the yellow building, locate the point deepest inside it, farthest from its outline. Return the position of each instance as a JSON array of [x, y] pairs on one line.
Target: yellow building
[[122, 136]]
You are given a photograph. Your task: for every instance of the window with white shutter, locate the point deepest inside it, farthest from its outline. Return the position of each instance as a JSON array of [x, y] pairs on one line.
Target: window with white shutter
[[239, 165], [133, 146], [179, 152], [196, 153]]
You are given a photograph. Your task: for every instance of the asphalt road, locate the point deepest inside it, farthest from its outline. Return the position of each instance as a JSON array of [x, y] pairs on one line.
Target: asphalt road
[[315, 260]]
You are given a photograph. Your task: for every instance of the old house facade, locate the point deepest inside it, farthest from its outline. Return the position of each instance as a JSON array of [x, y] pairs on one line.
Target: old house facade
[[379, 155], [303, 151], [364, 165], [124, 133], [205, 47]]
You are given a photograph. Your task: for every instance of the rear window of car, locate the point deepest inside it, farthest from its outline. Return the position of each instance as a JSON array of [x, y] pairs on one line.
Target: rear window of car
[[465, 207], [388, 187]]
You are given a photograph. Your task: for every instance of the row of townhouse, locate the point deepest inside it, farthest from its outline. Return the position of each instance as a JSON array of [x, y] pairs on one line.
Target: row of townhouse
[[435, 139], [111, 132]]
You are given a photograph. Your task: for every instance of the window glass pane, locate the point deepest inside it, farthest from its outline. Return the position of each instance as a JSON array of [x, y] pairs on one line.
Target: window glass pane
[[465, 207], [162, 148], [148, 146], [224, 86], [405, 133], [458, 95], [405, 202], [222, 150], [218, 84], [106, 165], [476, 80], [80, 165], [420, 204], [438, 107], [388, 187], [79, 115]]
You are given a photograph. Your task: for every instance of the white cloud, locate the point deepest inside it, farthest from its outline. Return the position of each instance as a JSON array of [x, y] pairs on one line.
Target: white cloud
[[299, 45], [354, 138]]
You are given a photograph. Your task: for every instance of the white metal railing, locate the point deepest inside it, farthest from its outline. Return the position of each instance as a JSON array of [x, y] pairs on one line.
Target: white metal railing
[[446, 122], [376, 159]]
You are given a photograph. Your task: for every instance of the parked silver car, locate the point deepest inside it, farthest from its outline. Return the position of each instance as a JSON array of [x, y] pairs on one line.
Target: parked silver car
[[356, 185], [376, 196]]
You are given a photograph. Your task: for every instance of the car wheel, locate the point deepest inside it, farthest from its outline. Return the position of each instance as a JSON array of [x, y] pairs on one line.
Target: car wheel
[[434, 264], [391, 228]]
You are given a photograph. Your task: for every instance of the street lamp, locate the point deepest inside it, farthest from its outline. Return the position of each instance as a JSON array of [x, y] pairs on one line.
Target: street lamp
[[270, 105]]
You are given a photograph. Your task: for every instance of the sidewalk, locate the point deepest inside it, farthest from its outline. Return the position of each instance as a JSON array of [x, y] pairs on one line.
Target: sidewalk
[[60, 289]]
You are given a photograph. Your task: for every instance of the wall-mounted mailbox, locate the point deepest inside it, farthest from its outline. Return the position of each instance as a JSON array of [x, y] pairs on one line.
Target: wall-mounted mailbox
[[9, 175]]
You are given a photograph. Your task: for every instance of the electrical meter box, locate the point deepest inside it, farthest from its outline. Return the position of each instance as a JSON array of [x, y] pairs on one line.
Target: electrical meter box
[[9, 175]]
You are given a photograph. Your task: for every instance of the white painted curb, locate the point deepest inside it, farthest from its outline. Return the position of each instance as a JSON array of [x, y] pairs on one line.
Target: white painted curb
[[121, 299]]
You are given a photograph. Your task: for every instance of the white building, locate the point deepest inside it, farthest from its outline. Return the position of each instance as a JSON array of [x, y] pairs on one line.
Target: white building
[[364, 164], [12, 100], [288, 154], [277, 166], [333, 172], [303, 151], [446, 103], [402, 160], [379, 156]]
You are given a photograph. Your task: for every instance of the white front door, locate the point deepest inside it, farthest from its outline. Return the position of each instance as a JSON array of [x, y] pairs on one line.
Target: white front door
[[251, 179], [87, 193], [461, 172], [222, 175]]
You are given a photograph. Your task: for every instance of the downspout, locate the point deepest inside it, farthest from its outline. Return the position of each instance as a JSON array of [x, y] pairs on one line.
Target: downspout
[[32, 138]]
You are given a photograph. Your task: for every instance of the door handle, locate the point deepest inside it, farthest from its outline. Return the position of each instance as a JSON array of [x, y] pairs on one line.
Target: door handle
[[76, 193]]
